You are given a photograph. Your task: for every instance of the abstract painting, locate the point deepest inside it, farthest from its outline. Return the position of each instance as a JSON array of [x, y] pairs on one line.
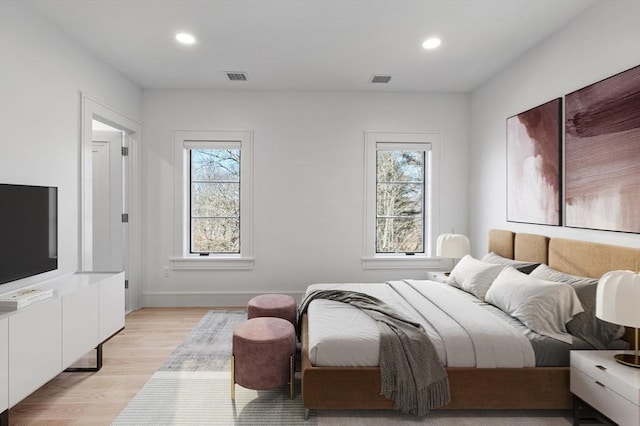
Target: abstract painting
[[602, 154], [534, 166]]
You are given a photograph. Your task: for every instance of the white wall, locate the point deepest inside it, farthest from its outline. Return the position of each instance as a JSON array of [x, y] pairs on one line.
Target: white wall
[[602, 41], [42, 73], [308, 184]]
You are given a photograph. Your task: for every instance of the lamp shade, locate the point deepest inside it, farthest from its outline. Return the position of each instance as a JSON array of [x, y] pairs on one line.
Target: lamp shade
[[452, 245], [618, 298]]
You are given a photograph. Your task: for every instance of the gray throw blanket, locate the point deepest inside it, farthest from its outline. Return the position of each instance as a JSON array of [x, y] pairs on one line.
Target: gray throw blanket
[[410, 369]]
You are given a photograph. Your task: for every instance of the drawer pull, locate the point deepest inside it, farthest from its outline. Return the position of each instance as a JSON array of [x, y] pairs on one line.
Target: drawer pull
[[600, 384], [601, 367]]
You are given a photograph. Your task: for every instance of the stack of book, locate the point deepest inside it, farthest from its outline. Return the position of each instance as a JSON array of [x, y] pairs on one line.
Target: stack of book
[[23, 298]]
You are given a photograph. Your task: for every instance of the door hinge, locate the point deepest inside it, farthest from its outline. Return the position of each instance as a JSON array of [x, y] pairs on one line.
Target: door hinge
[[125, 217], [126, 284], [125, 151]]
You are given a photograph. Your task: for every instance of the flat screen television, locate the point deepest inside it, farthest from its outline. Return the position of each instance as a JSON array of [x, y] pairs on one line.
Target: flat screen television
[[28, 231]]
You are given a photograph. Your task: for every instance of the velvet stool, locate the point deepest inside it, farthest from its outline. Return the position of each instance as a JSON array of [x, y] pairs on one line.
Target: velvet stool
[[273, 305], [263, 354]]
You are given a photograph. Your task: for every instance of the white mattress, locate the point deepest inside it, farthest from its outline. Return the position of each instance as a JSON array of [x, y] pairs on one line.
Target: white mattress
[[356, 341], [343, 336]]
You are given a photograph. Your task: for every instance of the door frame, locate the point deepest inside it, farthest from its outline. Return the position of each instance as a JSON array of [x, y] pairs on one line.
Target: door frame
[[94, 109]]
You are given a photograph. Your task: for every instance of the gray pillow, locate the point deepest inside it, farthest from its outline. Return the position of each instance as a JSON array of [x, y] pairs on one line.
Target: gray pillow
[[598, 333], [520, 265]]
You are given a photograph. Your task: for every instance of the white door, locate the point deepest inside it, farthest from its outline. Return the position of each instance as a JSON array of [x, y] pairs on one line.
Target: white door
[[109, 231], [93, 111]]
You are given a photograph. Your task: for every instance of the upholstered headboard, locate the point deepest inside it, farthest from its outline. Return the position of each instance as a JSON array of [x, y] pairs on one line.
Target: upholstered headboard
[[574, 257], [501, 242], [519, 246], [531, 247], [590, 259]]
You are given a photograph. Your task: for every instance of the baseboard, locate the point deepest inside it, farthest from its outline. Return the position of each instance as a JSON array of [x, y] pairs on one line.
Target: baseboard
[[213, 299]]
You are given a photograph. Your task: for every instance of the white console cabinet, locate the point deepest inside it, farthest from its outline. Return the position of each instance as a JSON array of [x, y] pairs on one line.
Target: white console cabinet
[[40, 341], [4, 366]]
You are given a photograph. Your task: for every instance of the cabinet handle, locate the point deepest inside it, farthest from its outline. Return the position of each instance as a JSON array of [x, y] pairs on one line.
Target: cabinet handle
[[600, 367], [600, 384]]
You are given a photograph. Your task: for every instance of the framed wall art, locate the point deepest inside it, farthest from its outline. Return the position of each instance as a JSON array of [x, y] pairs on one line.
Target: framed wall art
[[534, 165], [602, 154]]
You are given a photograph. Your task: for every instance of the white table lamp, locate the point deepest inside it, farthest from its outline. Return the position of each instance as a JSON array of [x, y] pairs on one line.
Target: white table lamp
[[455, 246], [618, 302]]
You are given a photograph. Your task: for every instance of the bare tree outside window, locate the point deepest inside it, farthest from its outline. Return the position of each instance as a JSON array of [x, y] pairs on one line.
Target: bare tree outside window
[[400, 191], [215, 201]]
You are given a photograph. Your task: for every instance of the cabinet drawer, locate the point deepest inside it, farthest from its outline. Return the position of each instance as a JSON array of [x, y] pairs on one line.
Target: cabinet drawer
[[80, 327], [604, 399], [611, 374], [35, 347]]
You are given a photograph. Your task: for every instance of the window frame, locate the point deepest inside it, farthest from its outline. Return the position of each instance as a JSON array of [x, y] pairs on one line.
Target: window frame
[[184, 141], [431, 212]]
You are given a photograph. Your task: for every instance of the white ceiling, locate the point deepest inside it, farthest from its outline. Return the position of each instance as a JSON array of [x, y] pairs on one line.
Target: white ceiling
[[310, 44]]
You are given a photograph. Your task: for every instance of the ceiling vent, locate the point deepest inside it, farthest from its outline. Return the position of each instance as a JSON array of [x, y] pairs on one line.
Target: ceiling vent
[[236, 76], [384, 79]]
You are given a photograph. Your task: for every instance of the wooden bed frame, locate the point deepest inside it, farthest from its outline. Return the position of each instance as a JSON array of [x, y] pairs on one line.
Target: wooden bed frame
[[478, 388]]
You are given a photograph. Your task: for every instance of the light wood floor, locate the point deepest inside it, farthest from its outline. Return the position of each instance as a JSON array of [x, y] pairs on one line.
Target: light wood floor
[[129, 359]]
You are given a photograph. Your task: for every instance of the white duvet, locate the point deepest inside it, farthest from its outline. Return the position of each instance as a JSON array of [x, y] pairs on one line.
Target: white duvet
[[463, 332]]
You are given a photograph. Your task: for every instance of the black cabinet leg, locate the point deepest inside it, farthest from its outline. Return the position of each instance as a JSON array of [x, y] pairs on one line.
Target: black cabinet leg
[[89, 369]]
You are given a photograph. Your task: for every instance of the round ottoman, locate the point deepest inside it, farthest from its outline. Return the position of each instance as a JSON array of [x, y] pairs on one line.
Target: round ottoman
[[273, 305], [263, 354]]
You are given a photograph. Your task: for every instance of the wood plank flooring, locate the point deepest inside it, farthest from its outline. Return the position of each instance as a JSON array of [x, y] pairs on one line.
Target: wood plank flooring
[[129, 359]]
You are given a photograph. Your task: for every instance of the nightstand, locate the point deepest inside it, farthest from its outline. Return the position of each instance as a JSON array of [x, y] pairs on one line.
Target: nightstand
[[438, 276], [609, 387]]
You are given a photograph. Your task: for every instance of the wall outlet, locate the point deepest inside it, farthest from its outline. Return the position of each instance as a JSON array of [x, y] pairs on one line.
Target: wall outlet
[[167, 271]]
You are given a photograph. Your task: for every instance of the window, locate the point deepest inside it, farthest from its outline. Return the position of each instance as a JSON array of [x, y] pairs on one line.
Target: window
[[400, 192], [213, 200]]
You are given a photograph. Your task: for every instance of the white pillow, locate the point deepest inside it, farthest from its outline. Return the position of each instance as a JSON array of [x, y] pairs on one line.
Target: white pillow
[[598, 333], [474, 276], [543, 306]]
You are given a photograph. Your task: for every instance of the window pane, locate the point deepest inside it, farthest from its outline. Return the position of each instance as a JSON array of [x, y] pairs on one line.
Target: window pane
[[215, 236], [399, 235], [215, 200], [399, 199], [403, 166], [400, 193], [215, 165]]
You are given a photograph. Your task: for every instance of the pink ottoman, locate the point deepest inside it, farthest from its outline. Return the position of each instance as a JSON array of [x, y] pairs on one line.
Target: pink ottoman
[[263, 354], [273, 305]]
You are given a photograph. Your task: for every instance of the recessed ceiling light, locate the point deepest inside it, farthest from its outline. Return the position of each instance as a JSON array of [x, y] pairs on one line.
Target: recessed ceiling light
[[431, 43], [185, 38]]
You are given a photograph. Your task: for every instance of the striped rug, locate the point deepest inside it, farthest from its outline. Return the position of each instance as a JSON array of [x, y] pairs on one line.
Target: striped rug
[[192, 398], [193, 388]]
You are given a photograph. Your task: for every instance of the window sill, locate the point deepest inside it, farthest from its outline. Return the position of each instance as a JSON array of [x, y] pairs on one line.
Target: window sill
[[211, 262], [400, 262]]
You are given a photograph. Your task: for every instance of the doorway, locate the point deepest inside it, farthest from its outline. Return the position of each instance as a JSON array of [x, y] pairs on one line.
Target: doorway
[[109, 187], [110, 232]]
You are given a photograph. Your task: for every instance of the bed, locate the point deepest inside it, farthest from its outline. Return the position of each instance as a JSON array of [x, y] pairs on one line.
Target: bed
[[532, 387]]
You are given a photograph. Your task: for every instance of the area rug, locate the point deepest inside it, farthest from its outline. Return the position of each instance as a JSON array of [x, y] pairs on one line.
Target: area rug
[[203, 397], [208, 346], [193, 388]]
